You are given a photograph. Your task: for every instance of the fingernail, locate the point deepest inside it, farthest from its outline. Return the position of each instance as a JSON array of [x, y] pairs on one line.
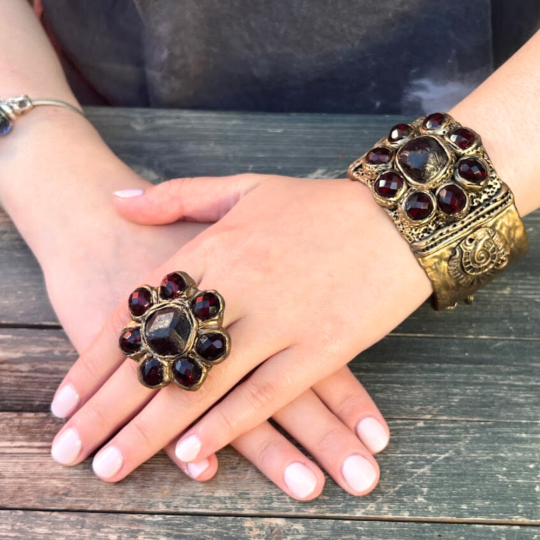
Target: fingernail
[[129, 193], [66, 448], [359, 473], [65, 401], [196, 469], [300, 480], [187, 449], [371, 432], [108, 462]]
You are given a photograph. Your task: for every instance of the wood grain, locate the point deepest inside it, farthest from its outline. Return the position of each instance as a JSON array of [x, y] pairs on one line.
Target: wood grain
[[87, 526], [438, 470]]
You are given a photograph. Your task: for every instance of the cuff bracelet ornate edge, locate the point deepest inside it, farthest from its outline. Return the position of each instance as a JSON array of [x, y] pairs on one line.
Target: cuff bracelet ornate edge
[[439, 187]]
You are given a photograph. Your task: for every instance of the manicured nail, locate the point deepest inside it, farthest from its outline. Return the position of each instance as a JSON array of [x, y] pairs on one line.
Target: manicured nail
[[371, 432], [300, 480], [108, 462], [129, 193], [188, 449], [67, 447], [196, 469], [359, 473], [65, 401]]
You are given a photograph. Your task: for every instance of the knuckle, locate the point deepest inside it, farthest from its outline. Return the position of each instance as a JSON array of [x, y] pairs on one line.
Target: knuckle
[[267, 451], [329, 439], [95, 415], [140, 431], [259, 394], [351, 404]]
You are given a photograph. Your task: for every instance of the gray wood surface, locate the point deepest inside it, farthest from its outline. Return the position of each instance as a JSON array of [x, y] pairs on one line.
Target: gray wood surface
[[460, 389], [85, 526]]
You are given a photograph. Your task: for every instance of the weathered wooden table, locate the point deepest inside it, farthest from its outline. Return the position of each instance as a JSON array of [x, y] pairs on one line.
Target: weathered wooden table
[[461, 389]]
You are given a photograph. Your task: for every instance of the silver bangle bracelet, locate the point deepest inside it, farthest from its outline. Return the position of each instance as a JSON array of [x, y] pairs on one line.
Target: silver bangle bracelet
[[12, 108]]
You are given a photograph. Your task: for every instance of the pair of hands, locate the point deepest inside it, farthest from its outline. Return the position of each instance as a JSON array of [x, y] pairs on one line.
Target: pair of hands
[[313, 272]]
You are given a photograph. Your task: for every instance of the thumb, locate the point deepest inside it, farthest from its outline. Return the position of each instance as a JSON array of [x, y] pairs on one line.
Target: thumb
[[205, 199]]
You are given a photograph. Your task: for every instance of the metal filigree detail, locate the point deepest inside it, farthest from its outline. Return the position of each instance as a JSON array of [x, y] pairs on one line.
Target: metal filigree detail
[[479, 256]]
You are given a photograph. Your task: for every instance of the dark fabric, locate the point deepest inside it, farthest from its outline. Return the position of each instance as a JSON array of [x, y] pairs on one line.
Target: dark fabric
[[363, 56]]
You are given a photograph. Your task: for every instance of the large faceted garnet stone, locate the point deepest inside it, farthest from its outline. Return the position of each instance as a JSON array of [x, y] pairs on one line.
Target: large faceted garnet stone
[[168, 331], [422, 159]]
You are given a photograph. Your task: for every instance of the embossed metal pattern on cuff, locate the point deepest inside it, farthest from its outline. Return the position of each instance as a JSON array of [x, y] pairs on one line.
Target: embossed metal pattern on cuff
[[455, 212]]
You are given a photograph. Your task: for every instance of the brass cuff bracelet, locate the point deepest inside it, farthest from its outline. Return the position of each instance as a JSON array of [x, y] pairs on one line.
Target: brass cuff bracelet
[[437, 183]]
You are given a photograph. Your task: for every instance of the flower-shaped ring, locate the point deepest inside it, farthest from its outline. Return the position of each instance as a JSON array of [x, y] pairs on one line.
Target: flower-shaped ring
[[176, 332]]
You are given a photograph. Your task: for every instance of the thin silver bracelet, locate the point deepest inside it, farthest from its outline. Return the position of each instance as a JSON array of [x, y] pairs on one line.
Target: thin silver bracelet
[[12, 108]]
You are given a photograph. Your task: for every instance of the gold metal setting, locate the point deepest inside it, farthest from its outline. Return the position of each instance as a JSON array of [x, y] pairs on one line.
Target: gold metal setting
[[462, 249], [186, 320]]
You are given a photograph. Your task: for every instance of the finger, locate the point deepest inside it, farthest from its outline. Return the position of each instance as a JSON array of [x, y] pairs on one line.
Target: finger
[[281, 462], [201, 471], [331, 443], [170, 412], [205, 199], [343, 394], [273, 385]]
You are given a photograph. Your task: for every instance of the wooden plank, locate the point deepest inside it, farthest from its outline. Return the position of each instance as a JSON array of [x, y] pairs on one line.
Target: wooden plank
[[206, 143], [432, 470], [88, 526], [408, 377]]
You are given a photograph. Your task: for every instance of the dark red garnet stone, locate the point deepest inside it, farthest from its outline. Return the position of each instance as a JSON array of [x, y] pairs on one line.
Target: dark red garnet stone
[[434, 121], [399, 132], [388, 184], [472, 170], [130, 340], [206, 306], [139, 301], [211, 346], [151, 371], [451, 199], [418, 206], [187, 372], [379, 156], [172, 286], [463, 138]]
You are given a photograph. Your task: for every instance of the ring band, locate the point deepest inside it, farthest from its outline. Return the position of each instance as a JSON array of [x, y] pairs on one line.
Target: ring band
[[175, 333], [437, 183]]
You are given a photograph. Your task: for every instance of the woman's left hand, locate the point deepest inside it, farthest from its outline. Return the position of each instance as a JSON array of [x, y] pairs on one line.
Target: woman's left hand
[[313, 272]]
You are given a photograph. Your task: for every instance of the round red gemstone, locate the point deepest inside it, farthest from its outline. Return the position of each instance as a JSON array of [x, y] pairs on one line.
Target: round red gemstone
[[418, 206], [388, 184], [130, 340], [434, 121], [187, 372], [212, 346], [151, 371], [206, 305], [451, 199], [172, 286], [399, 132], [463, 138], [472, 170], [139, 301], [379, 156]]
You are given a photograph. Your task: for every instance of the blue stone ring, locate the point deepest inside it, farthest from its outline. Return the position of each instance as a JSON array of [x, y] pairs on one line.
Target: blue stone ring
[[176, 332]]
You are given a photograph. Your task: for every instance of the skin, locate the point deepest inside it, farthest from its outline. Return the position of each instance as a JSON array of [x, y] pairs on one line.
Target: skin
[[313, 273], [56, 180]]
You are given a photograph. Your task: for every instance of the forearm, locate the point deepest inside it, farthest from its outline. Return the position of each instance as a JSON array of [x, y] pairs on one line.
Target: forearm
[[53, 165], [505, 111]]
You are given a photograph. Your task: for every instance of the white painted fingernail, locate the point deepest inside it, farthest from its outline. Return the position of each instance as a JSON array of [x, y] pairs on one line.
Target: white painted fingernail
[[67, 447], [359, 473], [371, 432], [300, 479], [108, 462], [65, 401], [196, 469], [188, 449], [129, 193]]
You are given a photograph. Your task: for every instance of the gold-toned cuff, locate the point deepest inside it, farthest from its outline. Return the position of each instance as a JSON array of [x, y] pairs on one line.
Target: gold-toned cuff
[[438, 185]]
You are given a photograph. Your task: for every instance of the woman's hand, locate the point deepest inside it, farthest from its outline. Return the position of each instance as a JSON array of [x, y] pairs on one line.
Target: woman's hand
[[313, 272]]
